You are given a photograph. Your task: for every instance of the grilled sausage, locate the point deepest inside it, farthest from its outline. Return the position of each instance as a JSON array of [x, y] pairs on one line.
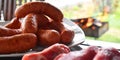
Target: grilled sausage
[[56, 25], [14, 23], [8, 32], [48, 37], [42, 20], [39, 7], [66, 34], [29, 24], [17, 43]]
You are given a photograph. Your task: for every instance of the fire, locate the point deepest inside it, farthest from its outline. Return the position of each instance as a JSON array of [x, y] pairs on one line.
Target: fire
[[89, 22]]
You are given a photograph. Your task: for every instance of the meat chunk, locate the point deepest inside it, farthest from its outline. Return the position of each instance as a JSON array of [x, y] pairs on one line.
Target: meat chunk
[[107, 54], [47, 54], [87, 54]]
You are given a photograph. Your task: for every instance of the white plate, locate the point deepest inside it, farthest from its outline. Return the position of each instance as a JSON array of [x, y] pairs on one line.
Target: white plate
[[78, 39]]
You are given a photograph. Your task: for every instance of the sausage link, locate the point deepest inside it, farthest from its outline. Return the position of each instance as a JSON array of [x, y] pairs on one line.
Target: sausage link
[[66, 34], [56, 25], [39, 7], [29, 24], [14, 24], [8, 32], [17, 43], [42, 20], [48, 37]]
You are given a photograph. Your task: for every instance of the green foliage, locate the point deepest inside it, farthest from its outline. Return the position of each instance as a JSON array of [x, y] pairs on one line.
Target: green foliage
[[110, 38]]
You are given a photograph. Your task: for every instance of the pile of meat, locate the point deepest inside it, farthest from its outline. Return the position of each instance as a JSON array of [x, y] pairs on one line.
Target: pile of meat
[[34, 24], [62, 52]]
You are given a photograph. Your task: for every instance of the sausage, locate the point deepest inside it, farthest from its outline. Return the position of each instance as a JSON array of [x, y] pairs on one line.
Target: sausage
[[17, 43], [29, 24], [56, 25], [66, 34], [14, 23], [48, 37], [39, 7], [42, 20], [47, 54], [8, 32]]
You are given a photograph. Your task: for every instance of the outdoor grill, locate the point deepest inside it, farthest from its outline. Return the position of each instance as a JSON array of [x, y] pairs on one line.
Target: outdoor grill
[[92, 27]]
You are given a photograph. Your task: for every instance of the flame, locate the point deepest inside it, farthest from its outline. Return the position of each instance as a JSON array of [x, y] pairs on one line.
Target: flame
[[89, 22]]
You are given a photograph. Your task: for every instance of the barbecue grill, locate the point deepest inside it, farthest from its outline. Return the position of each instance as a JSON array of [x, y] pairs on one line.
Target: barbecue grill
[[92, 27]]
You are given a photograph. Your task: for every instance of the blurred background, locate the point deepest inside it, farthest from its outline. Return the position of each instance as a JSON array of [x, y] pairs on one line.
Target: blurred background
[[101, 10], [99, 19]]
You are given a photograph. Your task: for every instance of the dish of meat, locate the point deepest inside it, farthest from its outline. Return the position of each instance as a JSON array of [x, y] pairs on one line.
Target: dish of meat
[[78, 39]]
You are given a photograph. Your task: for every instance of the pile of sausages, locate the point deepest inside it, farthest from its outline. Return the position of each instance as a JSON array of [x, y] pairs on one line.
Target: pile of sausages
[[35, 23]]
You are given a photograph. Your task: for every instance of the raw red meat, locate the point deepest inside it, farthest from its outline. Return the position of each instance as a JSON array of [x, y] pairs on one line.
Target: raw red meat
[[107, 54], [87, 54], [47, 54]]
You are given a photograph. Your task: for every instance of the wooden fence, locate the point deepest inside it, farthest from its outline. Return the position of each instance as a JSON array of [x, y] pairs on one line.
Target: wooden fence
[[7, 7]]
